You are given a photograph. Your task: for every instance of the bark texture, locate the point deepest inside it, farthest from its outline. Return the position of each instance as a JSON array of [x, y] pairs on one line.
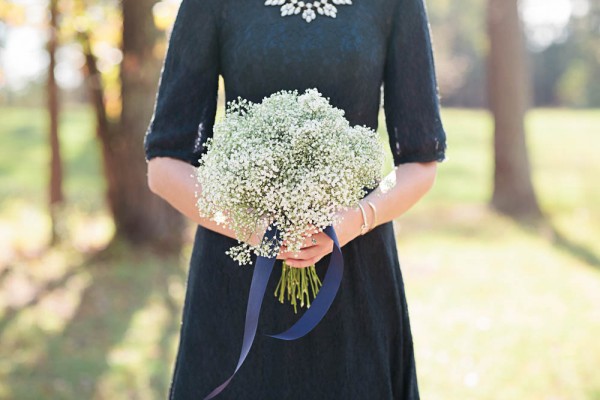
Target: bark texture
[[508, 96]]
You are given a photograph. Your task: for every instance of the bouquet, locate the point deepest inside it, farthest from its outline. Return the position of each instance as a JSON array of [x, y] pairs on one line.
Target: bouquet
[[290, 162]]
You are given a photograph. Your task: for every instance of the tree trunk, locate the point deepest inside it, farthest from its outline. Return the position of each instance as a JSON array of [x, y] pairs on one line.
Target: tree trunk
[[103, 126], [56, 197], [509, 96], [140, 216]]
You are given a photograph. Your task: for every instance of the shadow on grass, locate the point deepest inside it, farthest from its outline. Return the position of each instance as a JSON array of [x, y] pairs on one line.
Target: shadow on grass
[[72, 363], [560, 241], [575, 249], [12, 312]]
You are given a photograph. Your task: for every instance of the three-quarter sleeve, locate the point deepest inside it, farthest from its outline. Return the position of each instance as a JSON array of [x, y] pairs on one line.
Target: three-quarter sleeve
[[411, 99], [186, 100]]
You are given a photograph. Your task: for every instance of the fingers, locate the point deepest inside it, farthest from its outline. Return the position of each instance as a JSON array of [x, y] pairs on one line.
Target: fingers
[[309, 248], [305, 253], [308, 256], [315, 239], [303, 263], [316, 245], [310, 233]]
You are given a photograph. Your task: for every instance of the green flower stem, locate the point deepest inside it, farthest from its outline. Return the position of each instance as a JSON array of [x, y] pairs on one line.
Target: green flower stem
[[296, 282]]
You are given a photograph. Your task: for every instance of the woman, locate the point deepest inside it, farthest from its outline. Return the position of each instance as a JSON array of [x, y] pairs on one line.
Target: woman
[[363, 347]]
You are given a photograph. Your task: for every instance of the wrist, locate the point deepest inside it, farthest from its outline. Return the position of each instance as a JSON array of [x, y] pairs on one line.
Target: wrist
[[371, 211], [350, 225], [364, 217]]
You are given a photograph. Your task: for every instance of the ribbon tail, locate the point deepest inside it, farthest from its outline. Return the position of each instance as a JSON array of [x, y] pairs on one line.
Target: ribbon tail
[[325, 297], [258, 286]]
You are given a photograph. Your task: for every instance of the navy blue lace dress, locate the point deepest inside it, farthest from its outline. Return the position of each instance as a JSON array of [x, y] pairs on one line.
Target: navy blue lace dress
[[363, 348]]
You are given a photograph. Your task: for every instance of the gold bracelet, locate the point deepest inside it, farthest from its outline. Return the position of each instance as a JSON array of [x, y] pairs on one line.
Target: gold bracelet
[[364, 227], [374, 214]]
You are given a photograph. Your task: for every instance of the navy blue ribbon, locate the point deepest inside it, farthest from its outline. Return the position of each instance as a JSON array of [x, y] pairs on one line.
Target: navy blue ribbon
[[308, 321]]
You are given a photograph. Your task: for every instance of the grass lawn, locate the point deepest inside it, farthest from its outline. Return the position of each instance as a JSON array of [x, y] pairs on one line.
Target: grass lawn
[[498, 311]]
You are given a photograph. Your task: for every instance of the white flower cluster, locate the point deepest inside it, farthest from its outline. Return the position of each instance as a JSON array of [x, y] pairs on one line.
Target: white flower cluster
[[292, 161]]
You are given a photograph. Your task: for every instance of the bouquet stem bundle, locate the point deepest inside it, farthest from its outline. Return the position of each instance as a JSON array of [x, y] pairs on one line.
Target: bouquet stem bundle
[[296, 282]]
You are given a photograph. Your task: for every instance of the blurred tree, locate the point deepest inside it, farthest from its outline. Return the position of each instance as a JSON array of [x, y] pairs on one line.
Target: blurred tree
[[56, 174], [508, 96], [458, 28], [566, 72], [140, 217], [580, 83]]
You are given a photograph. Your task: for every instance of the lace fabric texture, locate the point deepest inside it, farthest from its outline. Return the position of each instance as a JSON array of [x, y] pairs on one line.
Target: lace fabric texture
[[371, 45]]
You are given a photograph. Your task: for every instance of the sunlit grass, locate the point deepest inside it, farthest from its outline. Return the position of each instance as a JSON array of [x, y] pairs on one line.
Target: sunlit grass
[[497, 311]]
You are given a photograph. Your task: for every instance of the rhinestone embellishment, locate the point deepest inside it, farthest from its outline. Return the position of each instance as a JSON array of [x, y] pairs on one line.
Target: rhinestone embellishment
[[309, 9]]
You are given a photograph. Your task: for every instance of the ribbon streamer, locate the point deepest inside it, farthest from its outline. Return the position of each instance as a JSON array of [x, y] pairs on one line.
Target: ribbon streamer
[[308, 321]]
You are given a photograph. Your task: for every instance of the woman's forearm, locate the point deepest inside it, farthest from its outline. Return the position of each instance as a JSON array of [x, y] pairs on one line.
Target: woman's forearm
[[413, 181], [174, 181]]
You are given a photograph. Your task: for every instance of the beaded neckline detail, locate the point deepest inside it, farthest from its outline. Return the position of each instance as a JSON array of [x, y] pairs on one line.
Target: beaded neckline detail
[[309, 9]]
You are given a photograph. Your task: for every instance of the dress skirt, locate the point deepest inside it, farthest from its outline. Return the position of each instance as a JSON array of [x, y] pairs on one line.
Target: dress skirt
[[362, 349]]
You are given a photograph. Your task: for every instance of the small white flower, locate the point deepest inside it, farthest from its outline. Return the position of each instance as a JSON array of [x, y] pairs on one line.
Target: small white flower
[[220, 218]]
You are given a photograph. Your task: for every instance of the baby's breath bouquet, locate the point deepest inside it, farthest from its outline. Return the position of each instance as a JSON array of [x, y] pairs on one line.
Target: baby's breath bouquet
[[290, 162]]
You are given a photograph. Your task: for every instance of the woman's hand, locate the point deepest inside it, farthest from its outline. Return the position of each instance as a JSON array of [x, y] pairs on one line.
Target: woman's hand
[[312, 251]]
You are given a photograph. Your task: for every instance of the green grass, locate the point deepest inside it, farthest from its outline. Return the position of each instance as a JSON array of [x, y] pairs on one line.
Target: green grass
[[498, 311]]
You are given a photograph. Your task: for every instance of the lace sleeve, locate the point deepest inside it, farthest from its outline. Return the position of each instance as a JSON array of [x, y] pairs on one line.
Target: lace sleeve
[[411, 101], [186, 101]]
